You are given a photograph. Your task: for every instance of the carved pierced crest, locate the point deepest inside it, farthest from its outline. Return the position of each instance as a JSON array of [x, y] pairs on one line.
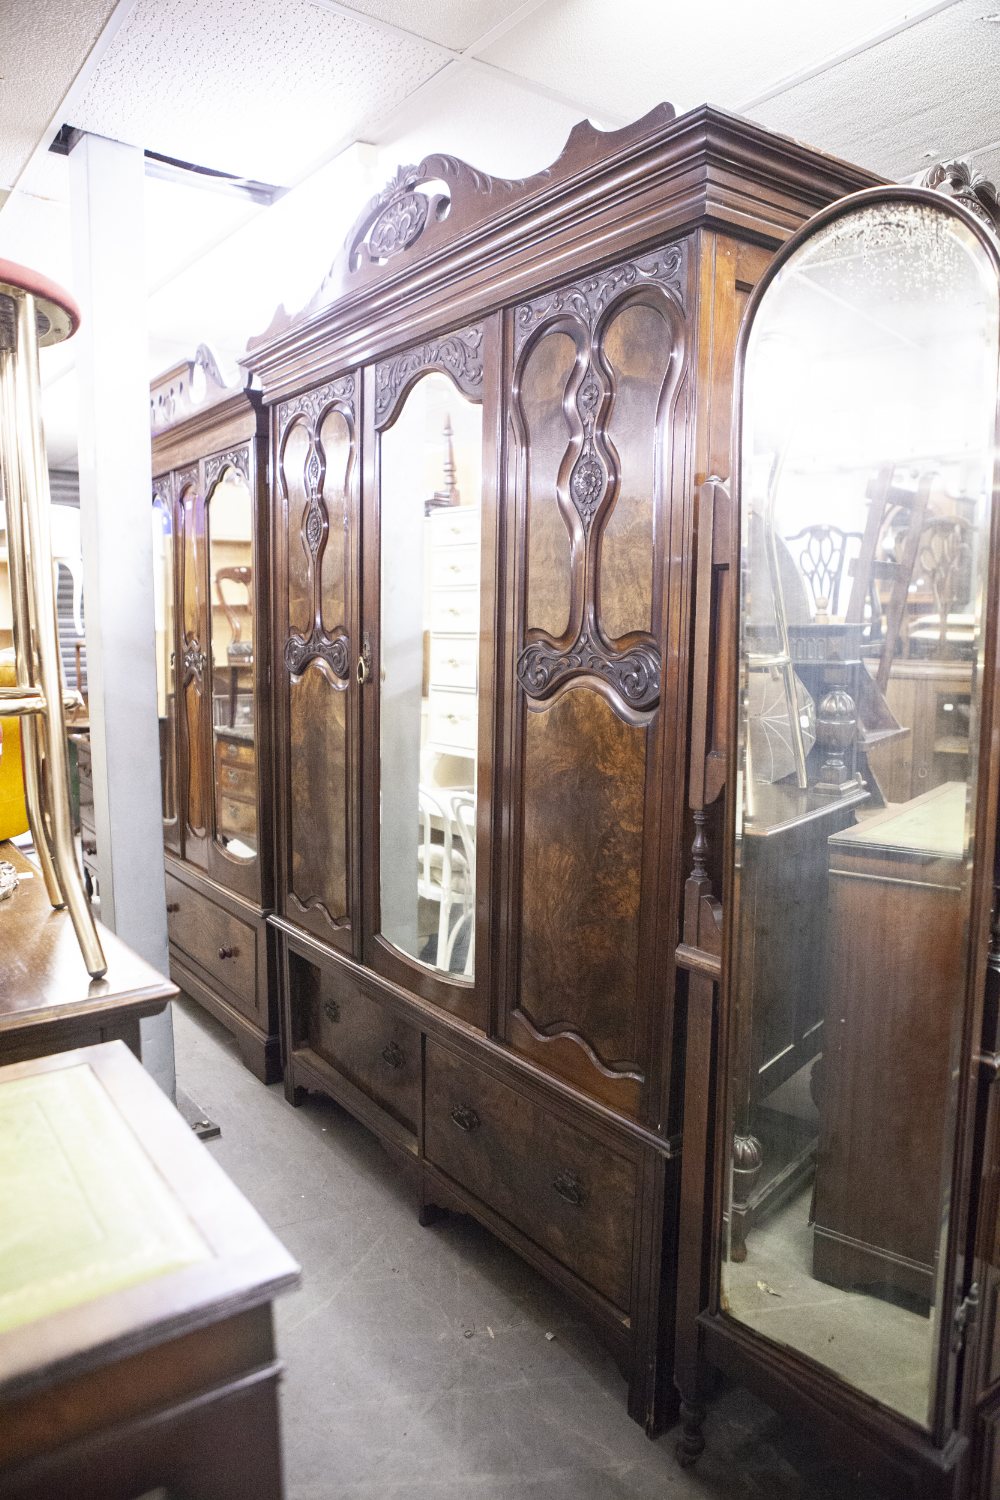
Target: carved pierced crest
[[185, 389], [956, 179]]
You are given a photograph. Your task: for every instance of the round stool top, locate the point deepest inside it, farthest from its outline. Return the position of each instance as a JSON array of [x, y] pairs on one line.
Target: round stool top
[[58, 314]]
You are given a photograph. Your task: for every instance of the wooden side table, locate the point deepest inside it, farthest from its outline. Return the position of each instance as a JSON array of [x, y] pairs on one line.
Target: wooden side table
[[136, 1341], [48, 1001]]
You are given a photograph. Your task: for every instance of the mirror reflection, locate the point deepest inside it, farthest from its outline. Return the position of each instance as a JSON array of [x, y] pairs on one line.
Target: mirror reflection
[[164, 648], [230, 560], [430, 489], [869, 406]]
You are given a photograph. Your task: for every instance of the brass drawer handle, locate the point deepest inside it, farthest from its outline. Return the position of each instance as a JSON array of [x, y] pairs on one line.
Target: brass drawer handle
[[173, 906], [569, 1187], [226, 952], [331, 1010], [465, 1117], [393, 1055]]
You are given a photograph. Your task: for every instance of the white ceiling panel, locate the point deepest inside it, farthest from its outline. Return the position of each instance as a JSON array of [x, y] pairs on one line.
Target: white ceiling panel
[[630, 55], [453, 23], [483, 117], [927, 93], [258, 90], [42, 48]]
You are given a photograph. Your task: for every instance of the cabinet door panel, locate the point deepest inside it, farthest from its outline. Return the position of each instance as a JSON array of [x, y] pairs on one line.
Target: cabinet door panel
[[597, 371], [317, 477], [164, 522]]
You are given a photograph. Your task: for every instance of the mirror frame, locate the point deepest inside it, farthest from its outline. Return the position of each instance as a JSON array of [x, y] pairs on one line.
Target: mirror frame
[[790, 1376]]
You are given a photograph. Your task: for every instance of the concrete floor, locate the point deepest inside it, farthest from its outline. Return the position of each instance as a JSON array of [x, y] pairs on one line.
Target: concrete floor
[[418, 1366]]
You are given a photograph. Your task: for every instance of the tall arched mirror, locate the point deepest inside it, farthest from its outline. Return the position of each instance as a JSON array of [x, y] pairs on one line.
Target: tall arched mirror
[[231, 641], [165, 646], [430, 488], [869, 407]]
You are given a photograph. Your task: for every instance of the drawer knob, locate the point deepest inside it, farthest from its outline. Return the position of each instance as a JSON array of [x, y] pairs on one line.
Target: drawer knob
[[393, 1055], [226, 952], [89, 847], [331, 1010], [569, 1187], [465, 1117], [173, 906]]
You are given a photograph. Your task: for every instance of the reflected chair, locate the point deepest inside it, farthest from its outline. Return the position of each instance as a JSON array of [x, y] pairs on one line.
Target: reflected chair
[[463, 810], [443, 874]]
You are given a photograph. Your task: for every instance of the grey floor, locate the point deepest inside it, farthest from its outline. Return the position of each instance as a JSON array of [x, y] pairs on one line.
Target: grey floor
[[418, 1365]]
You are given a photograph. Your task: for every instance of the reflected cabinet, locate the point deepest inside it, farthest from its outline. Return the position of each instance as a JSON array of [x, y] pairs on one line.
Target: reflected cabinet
[[210, 556], [487, 430], [845, 1145]]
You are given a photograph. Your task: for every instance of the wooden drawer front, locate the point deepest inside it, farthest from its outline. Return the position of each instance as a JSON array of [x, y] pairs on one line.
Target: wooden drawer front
[[454, 720], [455, 610], [367, 1043], [235, 753], [218, 942], [237, 817], [454, 528], [454, 661], [561, 1187], [238, 782], [455, 567]]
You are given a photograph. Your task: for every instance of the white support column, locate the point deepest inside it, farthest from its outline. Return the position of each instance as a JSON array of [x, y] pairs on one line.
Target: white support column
[[107, 199]]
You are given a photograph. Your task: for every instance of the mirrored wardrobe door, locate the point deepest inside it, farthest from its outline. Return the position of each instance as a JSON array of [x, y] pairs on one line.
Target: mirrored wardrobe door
[[429, 707], [232, 628], [866, 479], [318, 480], [165, 648], [195, 680]]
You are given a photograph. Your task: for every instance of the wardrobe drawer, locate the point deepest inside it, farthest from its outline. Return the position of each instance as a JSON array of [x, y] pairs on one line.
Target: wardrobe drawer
[[367, 1043], [237, 818], [455, 567], [235, 753], [239, 782], [455, 661], [452, 528], [455, 610], [558, 1185], [454, 720], [218, 942]]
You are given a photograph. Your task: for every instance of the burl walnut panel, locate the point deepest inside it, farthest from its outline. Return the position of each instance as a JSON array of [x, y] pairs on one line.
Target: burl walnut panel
[[317, 471], [598, 366]]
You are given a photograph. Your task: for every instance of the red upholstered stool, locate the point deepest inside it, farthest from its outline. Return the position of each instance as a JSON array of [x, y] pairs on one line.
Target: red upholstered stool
[[57, 315]]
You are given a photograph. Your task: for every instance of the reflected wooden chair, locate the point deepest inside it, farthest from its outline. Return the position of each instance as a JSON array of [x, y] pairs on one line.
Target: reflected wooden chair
[[463, 811], [443, 874]]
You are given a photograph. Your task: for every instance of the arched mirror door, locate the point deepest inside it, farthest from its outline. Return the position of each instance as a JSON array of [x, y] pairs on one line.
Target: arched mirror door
[[231, 642], [165, 647], [857, 889]]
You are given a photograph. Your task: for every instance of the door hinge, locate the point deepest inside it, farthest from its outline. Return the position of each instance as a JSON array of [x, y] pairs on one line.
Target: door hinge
[[965, 1316]]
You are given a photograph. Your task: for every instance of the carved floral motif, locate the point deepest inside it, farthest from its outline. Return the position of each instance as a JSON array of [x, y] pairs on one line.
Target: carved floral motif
[[459, 354], [957, 179], [311, 403], [589, 298], [300, 651], [236, 458], [634, 674]]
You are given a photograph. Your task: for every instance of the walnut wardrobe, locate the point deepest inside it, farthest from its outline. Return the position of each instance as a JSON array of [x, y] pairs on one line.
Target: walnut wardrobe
[[487, 434], [211, 604]]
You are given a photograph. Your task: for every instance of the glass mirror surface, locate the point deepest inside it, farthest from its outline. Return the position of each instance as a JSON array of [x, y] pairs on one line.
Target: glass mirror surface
[[869, 408], [165, 649], [430, 493], [234, 756]]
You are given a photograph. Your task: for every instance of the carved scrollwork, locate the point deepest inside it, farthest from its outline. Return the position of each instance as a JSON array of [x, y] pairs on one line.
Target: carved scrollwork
[[459, 354], [235, 458], [300, 651], [633, 674], [590, 298], [397, 216], [957, 179], [311, 403], [185, 388]]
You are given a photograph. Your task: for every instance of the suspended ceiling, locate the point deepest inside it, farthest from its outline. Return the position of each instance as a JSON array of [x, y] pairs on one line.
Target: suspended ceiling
[[284, 92]]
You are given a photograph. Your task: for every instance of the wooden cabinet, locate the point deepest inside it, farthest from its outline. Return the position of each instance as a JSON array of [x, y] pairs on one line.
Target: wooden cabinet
[[210, 546], [487, 433]]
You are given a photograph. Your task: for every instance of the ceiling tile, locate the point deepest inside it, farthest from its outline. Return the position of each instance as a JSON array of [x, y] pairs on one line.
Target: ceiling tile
[[259, 90], [42, 48], [627, 57], [488, 120], [925, 94], [453, 23]]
